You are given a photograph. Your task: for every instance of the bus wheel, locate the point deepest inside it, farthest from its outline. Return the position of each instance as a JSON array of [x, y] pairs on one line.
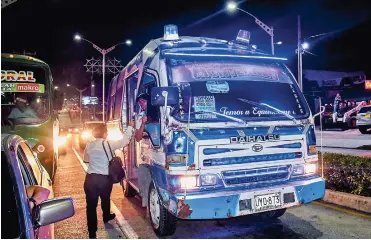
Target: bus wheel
[[129, 191], [274, 214], [162, 221]]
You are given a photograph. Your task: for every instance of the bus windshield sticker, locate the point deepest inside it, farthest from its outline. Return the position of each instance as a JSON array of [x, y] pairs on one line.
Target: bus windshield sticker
[[204, 103], [217, 86], [22, 87], [14, 76]]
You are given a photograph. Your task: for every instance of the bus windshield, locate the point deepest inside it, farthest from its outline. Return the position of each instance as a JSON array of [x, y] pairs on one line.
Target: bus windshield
[[248, 90], [24, 94]]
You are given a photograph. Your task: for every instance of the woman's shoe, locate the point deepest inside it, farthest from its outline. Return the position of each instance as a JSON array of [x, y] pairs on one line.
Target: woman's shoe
[[110, 217], [93, 235]]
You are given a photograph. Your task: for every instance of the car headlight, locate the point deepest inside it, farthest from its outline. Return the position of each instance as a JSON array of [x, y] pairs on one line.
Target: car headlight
[[188, 181], [86, 135], [61, 141], [208, 179]]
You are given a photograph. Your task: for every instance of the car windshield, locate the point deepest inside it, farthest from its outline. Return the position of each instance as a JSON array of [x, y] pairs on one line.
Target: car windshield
[[91, 126], [248, 90], [24, 94], [365, 109], [10, 225]]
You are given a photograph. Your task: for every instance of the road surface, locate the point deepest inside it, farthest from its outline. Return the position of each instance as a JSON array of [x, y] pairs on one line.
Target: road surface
[[316, 220]]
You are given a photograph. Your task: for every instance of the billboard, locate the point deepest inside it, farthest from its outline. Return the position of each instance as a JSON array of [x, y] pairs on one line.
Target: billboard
[[89, 100]]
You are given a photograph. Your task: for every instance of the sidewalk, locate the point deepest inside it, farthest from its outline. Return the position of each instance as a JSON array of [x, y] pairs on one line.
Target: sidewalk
[[69, 181]]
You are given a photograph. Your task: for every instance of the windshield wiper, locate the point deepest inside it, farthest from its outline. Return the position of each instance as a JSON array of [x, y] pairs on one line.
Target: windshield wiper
[[220, 114], [271, 107]]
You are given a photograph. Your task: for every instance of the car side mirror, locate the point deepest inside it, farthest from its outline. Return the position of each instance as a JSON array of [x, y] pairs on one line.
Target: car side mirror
[[54, 210], [164, 96]]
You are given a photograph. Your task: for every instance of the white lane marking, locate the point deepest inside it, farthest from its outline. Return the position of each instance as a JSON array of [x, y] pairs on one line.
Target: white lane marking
[[121, 221]]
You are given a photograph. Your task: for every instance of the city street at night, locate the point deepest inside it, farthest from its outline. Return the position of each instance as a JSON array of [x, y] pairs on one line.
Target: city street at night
[[217, 119], [315, 220]]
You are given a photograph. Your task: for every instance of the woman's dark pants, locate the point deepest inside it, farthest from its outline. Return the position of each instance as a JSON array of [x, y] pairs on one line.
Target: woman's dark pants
[[95, 186]]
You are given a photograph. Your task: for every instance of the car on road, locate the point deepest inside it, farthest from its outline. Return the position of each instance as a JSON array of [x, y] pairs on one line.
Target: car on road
[[20, 168], [86, 134], [364, 119]]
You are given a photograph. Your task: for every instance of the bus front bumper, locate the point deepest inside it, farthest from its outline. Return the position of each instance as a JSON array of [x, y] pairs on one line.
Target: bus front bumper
[[227, 204]]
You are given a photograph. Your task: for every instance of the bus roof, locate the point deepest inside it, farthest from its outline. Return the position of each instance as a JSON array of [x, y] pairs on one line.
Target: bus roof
[[10, 57]]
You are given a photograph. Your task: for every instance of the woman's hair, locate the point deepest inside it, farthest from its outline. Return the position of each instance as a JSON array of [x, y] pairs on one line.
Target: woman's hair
[[99, 131]]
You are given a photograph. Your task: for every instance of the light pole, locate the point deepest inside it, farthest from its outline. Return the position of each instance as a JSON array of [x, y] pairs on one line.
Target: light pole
[[103, 52], [80, 91], [232, 7]]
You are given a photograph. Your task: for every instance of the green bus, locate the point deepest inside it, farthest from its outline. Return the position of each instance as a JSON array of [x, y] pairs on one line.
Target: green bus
[[27, 106]]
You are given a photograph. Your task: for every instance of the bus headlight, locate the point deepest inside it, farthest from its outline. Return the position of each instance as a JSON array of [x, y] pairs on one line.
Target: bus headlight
[[310, 168], [304, 169], [298, 170], [188, 181], [208, 179]]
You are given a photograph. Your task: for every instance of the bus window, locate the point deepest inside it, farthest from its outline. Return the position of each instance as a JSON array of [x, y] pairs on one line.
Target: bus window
[[24, 93], [111, 103]]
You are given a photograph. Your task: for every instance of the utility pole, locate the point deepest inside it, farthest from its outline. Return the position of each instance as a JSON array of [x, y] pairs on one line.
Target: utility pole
[[300, 52]]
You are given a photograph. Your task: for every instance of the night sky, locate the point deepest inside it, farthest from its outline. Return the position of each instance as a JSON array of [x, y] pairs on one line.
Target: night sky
[[48, 26]]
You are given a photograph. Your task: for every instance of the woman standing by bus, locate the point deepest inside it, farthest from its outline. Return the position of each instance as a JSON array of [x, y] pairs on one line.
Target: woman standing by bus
[[97, 182]]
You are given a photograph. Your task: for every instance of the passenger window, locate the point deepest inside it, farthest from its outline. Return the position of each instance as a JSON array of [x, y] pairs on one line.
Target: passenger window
[[32, 162], [148, 82], [111, 103]]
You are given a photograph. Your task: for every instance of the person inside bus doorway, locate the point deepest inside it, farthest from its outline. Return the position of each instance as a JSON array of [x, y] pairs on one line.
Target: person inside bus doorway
[[97, 182], [22, 110], [141, 118]]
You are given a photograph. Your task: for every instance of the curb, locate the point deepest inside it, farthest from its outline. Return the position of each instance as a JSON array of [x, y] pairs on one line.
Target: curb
[[348, 200]]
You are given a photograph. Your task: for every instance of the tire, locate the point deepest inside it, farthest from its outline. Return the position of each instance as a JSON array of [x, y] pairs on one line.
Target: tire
[[129, 191], [165, 223], [274, 214], [362, 129]]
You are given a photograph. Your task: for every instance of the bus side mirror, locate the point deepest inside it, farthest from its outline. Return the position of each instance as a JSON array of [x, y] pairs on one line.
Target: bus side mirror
[[158, 98]]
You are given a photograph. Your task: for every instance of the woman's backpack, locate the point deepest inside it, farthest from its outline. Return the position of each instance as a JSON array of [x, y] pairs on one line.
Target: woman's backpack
[[115, 169]]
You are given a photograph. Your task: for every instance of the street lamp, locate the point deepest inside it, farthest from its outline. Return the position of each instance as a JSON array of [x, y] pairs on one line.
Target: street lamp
[[55, 87], [103, 51], [92, 85], [305, 45], [68, 85], [232, 7], [278, 43]]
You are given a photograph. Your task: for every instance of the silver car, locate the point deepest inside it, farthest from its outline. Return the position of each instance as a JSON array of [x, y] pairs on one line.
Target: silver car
[[21, 168], [364, 119]]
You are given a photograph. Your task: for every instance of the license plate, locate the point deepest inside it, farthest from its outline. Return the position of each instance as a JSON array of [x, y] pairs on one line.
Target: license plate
[[268, 201]]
